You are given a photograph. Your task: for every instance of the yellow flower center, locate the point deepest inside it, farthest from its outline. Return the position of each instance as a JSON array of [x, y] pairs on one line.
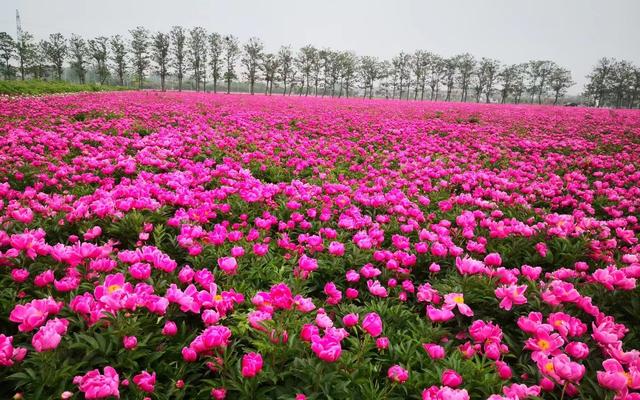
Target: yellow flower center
[[218, 297], [113, 288], [544, 344], [458, 299], [548, 367]]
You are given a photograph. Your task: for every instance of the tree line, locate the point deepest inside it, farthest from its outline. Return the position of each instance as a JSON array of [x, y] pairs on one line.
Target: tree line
[[193, 58]]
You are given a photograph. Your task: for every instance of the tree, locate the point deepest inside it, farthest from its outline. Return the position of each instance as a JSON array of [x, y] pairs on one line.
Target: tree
[[316, 68], [119, 57], [449, 74], [178, 38], [269, 67], [304, 62], [7, 50], [508, 77], [285, 62], [78, 50], [559, 81], [39, 67], [251, 59], [26, 51], [419, 69], [620, 82], [197, 47], [436, 68], [99, 52], [487, 75], [401, 72], [370, 72], [139, 45], [160, 55], [55, 50], [635, 88], [335, 70], [231, 50], [326, 57], [216, 51], [539, 72], [598, 79], [349, 67], [466, 65]]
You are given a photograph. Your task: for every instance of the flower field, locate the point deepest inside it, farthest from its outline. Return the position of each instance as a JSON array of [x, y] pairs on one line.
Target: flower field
[[183, 246]]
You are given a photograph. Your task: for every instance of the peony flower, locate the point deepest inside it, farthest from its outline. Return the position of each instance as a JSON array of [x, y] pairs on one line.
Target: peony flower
[[251, 364], [451, 378], [510, 295], [398, 374], [130, 342], [228, 265], [99, 386], [145, 381], [453, 300], [327, 349], [372, 324]]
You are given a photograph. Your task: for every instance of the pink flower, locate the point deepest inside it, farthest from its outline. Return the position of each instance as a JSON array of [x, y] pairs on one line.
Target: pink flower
[[8, 353], [32, 315], [372, 324], [541, 248], [544, 342], [614, 376], [398, 374], [145, 381], [376, 289], [469, 266], [327, 349], [170, 328], [504, 371], [493, 260], [434, 351], [510, 295], [336, 249], [219, 393], [350, 320], [577, 350], [189, 355], [130, 342], [453, 300], [451, 378], [212, 337], [228, 265], [281, 297], [308, 332], [307, 264], [210, 317], [48, 336], [437, 315], [19, 275], [567, 369], [251, 364], [382, 343], [97, 386], [444, 393]]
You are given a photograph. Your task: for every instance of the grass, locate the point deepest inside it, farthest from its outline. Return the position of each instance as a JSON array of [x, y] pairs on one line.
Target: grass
[[36, 87]]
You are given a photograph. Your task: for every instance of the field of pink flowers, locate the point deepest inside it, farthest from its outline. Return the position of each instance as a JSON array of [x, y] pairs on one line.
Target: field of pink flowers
[[182, 246]]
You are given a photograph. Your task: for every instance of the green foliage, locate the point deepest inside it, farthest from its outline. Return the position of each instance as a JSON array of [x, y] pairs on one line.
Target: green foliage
[[36, 87]]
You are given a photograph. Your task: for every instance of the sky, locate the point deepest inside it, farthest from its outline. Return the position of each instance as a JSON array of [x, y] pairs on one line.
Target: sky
[[574, 33]]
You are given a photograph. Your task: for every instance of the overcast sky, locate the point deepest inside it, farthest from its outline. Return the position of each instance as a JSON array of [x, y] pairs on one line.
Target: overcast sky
[[574, 33]]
